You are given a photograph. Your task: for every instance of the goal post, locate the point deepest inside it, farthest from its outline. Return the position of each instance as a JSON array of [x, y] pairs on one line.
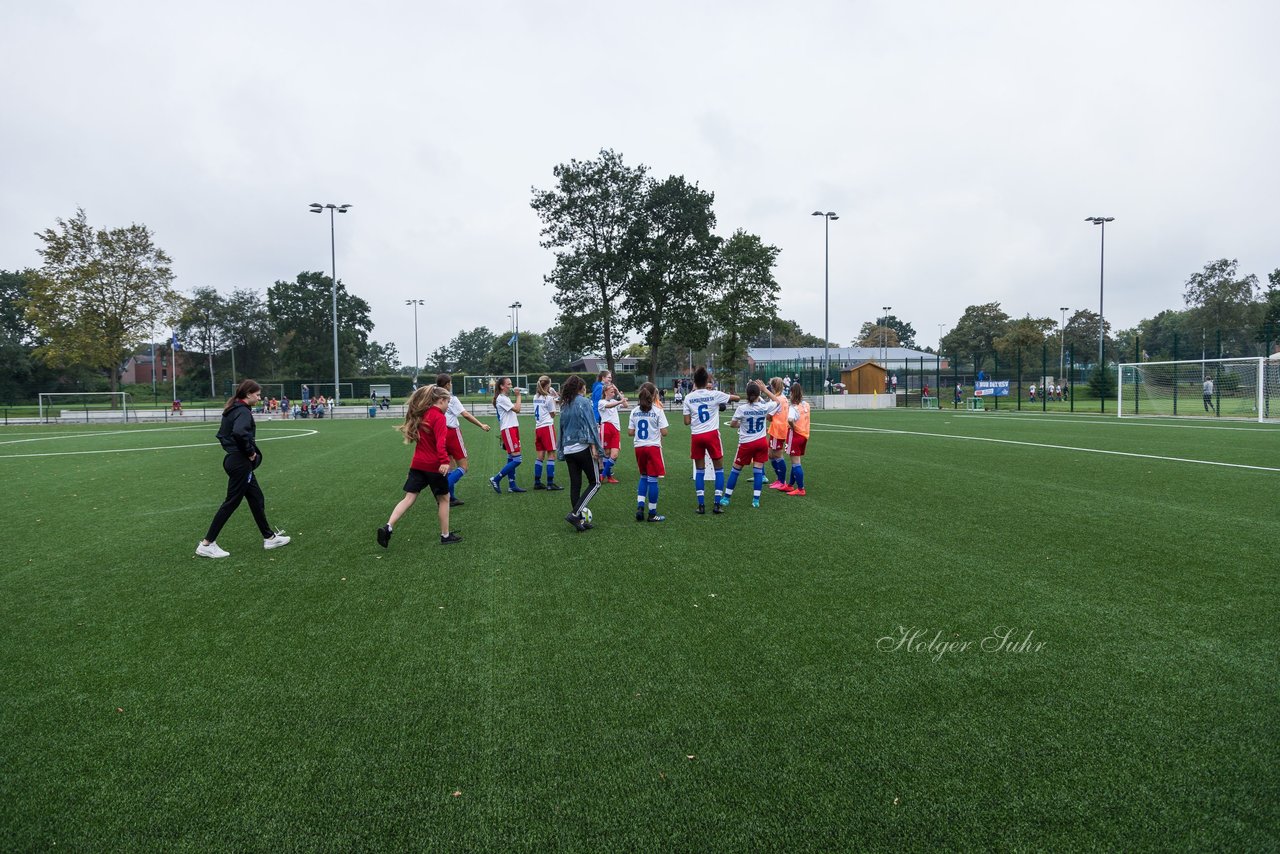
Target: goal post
[[347, 391], [1200, 388], [46, 399]]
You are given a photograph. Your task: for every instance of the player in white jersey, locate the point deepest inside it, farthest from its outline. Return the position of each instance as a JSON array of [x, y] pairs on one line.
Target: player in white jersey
[[646, 426], [610, 429], [509, 426], [752, 420], [546, 403], [702, 408], [457, 449]]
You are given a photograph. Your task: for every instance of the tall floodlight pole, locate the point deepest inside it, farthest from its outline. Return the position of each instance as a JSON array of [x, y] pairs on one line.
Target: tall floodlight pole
[[884, 337], [1062, 342], [316, 207], [826, 295], [515, 339], [416, 363], [1102, 266]]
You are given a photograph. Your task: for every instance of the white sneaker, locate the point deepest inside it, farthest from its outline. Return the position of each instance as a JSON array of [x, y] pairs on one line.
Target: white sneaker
[[211, 550], [275, 541]]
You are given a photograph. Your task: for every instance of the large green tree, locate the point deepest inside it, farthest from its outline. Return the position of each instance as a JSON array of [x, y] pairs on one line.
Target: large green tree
[[786, 334], [747, 295], [904, 334], [1025, 340], [567, 341], [675, 255], [468, 352], [202, 329], [302, 313], [380, 360], [877, 335], [975, 333], [22, 375], [587, 221], [1081, 336], [501, 356], [1269, 324], [97, 293], [1163, 335], [1223, 301], [247, 329]]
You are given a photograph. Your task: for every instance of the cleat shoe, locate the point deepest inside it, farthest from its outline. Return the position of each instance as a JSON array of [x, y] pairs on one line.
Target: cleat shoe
[[275, 541], [514, 488], [777, 484], [717, 509], [611, 479], [537, 486], [212, 550], [654, 517], [554, 487], [755, 502], [576, 521], [702, 510], [799, 492], [496, 484], [451, 539], [456, 502], [639, 515], [384, 536], [724, 502]]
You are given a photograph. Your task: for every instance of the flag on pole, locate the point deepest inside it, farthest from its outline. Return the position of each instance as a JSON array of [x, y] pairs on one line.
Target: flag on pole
[[512, 340], [177, 345]]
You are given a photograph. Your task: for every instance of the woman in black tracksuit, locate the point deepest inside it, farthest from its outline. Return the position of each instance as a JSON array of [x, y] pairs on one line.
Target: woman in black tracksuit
[[236, 435]]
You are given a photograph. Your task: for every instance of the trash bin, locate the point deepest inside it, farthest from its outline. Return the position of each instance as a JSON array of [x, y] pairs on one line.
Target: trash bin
[[373, 412]]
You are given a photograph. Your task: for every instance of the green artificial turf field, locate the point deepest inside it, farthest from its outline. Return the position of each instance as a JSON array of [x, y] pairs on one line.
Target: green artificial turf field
[[766, 680]]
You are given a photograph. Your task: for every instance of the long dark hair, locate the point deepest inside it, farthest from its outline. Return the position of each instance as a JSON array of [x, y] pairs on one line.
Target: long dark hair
[[246, 388], [753, 392], [497, 389], [700, 377], [572, 388]]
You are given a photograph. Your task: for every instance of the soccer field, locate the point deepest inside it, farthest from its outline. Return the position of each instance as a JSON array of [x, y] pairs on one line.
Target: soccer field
[[1011, 631]]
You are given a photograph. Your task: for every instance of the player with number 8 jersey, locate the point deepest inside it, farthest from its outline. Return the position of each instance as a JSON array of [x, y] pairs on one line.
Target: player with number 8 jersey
[[647, 425]]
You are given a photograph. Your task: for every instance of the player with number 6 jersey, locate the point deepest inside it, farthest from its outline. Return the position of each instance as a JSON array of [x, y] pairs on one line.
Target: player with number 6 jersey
[[702, 414]]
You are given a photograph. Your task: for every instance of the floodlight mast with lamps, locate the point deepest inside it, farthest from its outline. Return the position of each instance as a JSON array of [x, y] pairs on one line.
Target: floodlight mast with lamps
[[416, 363], [1102, 266], [316, 207], [826, 295]]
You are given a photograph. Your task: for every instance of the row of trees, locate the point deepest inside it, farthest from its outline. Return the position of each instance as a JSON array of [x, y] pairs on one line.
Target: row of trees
[[100, 293], [1224, 312]]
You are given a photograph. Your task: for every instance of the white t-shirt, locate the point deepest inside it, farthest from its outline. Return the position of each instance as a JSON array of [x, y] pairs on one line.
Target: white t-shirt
[[543, 407], [609, 414], [703, 407], [753, 419], [648, 426], [451, 414], [506, 414]]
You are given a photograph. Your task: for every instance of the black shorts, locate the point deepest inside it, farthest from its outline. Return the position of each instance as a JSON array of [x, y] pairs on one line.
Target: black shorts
[[419, 480]]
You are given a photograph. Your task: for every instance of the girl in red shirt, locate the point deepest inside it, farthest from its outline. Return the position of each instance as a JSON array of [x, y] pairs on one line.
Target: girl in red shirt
[[424, 427]]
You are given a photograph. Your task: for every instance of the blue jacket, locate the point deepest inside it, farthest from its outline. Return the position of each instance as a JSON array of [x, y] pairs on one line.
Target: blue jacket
[[597, 392], [577, 427]]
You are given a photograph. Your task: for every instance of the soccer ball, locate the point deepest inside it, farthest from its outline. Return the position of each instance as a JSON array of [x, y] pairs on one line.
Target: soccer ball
[[586, 515]]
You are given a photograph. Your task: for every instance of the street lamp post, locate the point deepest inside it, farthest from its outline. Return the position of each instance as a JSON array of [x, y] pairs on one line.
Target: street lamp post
[[1062, 342], [1102, 265], [416, 363], [515, 339], [316, 207], [826, 294], [884, 338]]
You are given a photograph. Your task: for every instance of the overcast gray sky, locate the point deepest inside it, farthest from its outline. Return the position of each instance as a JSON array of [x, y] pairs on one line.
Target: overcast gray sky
[[962, 143]]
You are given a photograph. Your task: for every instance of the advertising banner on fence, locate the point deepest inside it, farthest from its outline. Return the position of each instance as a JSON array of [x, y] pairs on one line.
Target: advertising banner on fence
[[991, 388]]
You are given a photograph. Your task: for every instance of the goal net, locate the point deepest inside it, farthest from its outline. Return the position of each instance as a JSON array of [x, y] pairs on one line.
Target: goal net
[[1208, 388], [488, 385], [106, 405]]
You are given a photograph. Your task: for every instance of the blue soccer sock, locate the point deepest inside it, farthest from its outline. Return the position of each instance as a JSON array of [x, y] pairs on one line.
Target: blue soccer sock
[[537, 471], [733, 481], [608, 467], [700, 485], [757, 481], [641, 490], [719, 482], [780, 468], [454, 477], [653, 495], [797, 472], [509, 470], [551, 471]]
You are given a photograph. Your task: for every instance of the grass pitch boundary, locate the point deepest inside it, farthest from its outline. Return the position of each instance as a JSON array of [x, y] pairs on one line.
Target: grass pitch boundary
[[299, 433]]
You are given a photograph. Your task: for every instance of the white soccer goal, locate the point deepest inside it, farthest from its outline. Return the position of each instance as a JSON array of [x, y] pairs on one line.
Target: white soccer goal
[[1203, 388], [46, 400], [488, 385], [347, 391]]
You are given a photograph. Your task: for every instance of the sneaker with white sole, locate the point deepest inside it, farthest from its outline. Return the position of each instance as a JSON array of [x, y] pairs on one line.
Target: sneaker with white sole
[[211, 550], [275, 541]]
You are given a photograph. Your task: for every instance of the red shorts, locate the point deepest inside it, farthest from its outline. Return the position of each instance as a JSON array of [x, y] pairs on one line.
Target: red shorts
[[453, 444], [701, 444], [796, 443], [544, 438], [649, 461], [610, 437], [756, 451], [511, 440], [776, 444]]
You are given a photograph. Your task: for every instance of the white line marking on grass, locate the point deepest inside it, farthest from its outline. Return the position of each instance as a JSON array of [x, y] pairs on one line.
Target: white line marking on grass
[[1121, 422], [46, 437], [845, 428], [298, 435]]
